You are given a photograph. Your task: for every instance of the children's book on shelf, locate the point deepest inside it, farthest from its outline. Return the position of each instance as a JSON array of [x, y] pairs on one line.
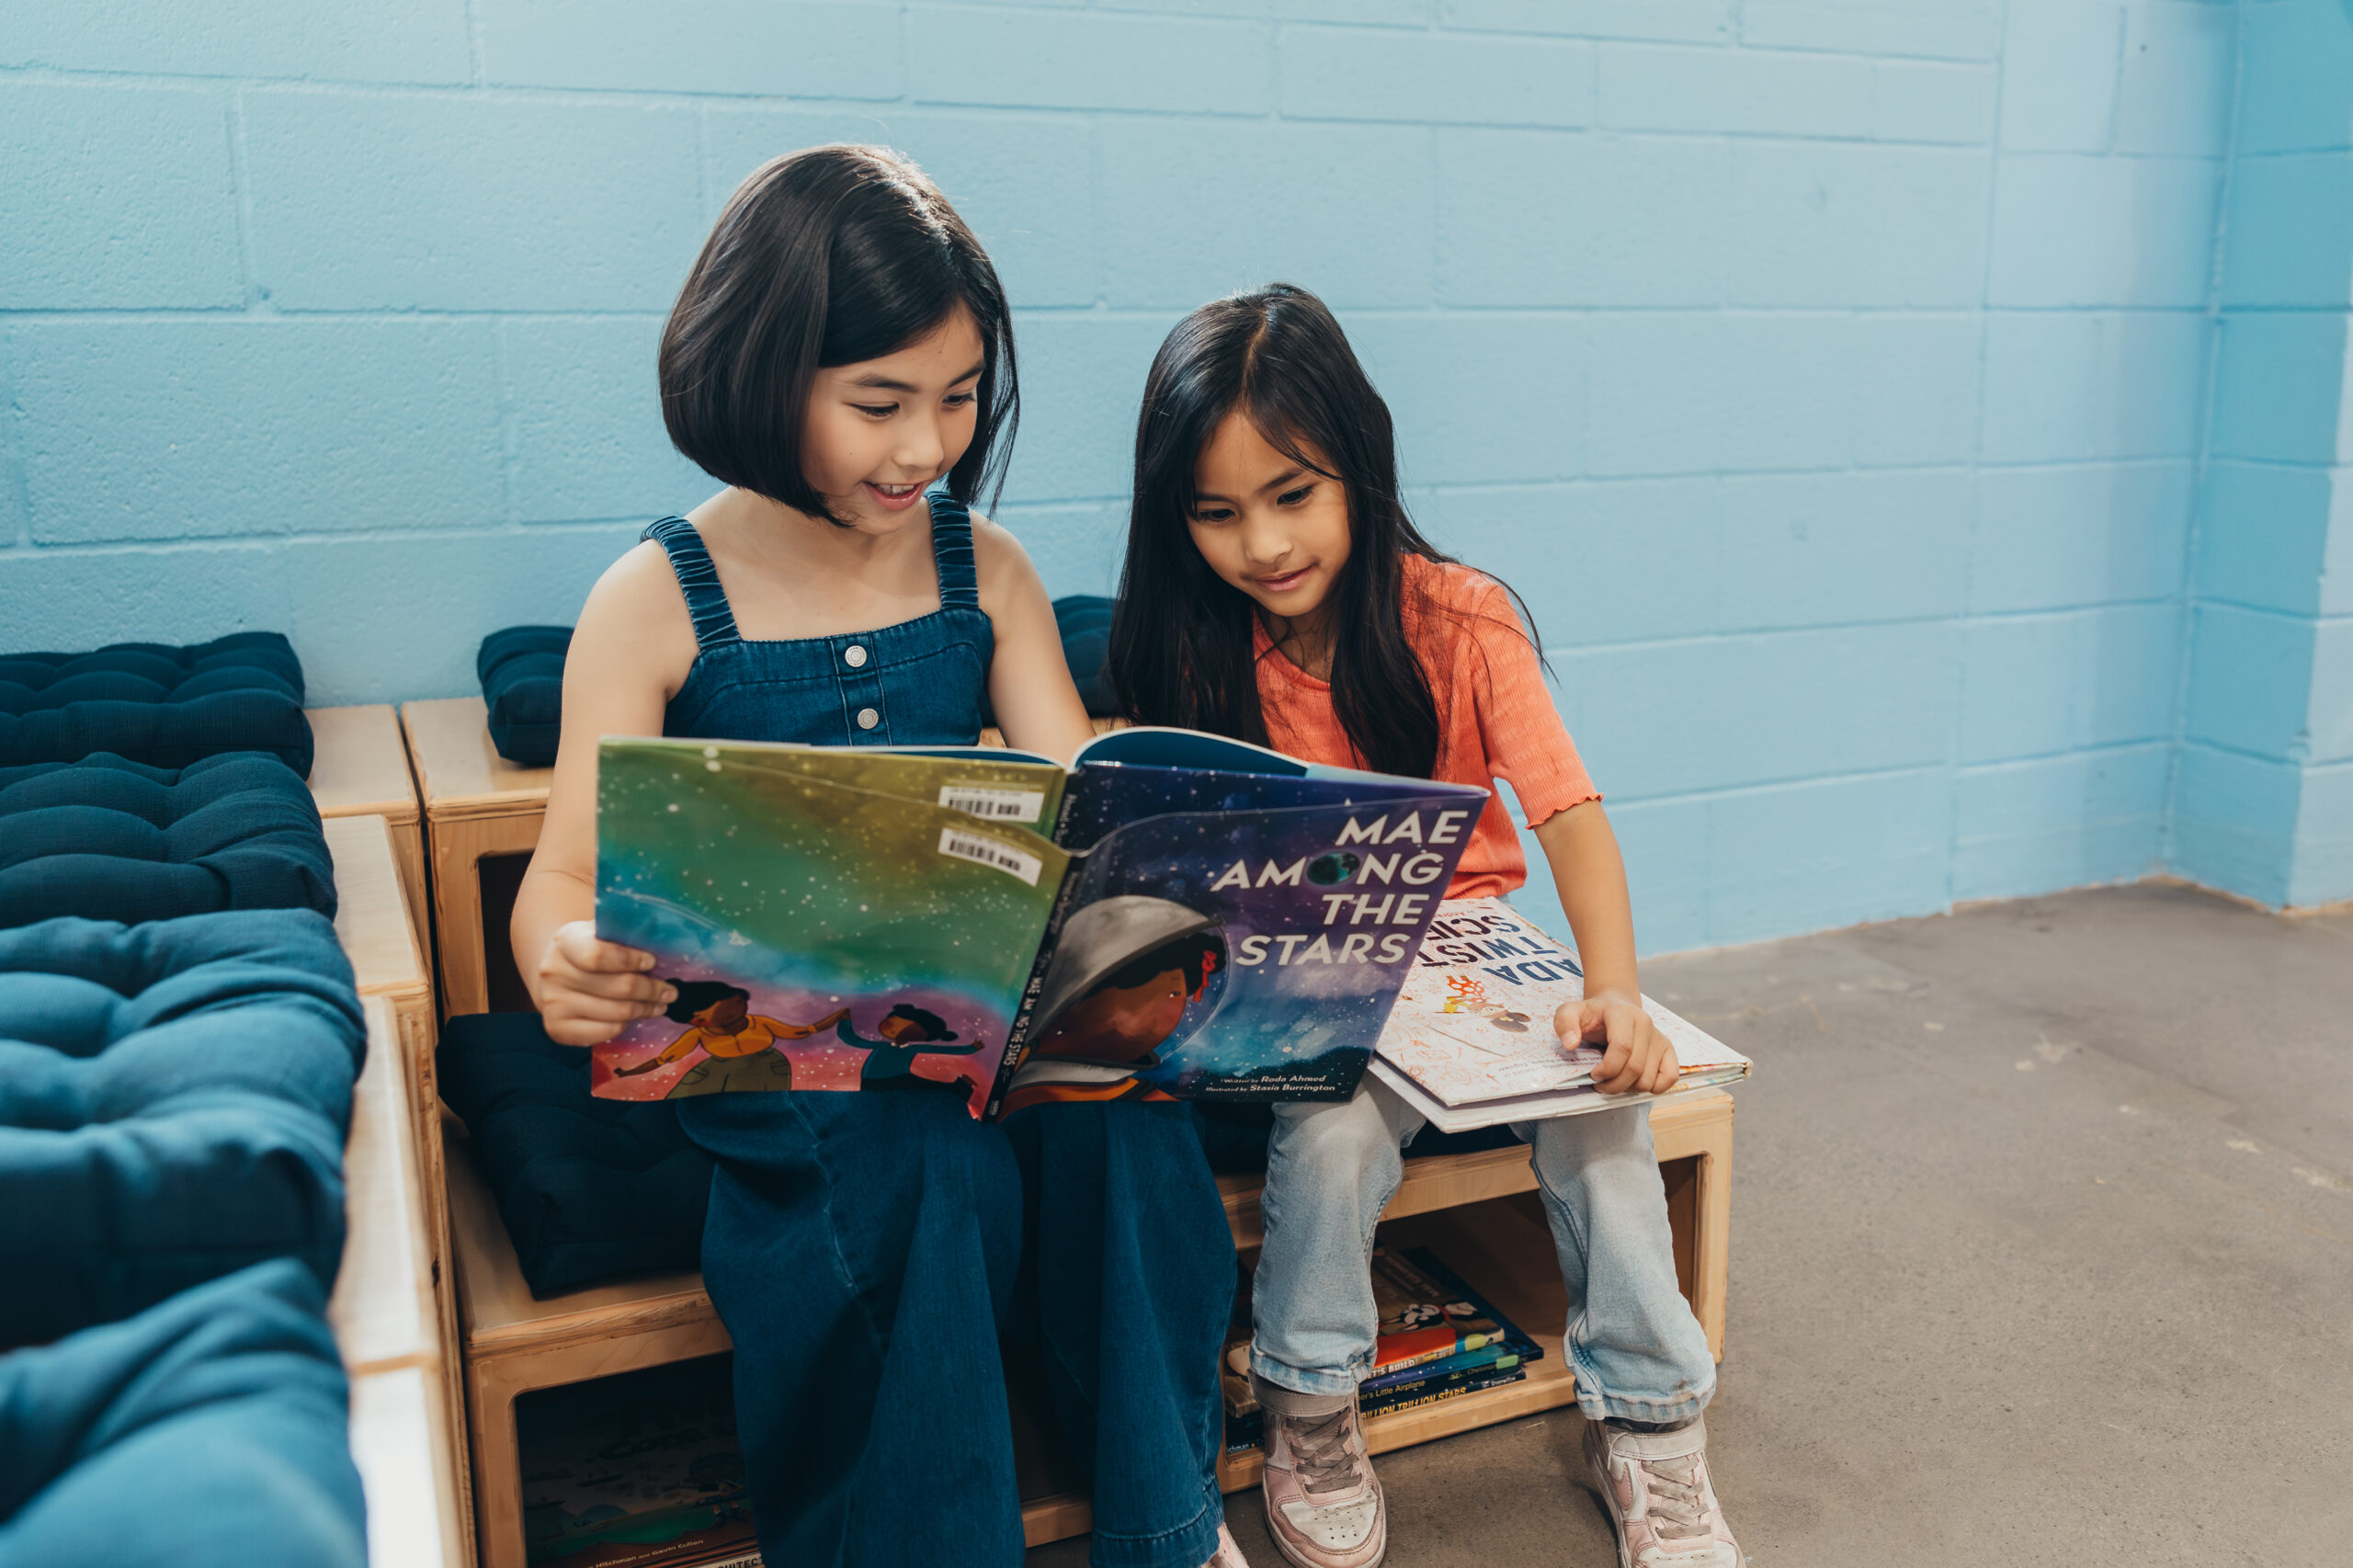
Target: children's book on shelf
[[637, 1471], [1471, 1043], [1428, 1315], [1172, 916], [1413, 1396], [1437, 1338]]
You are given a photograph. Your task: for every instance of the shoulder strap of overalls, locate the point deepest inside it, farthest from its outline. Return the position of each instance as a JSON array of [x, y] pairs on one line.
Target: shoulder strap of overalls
[[698, 580], [952, 551]]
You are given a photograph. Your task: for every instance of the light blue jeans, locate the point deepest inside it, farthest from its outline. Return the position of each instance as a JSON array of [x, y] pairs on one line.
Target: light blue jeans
[[1333, 1165]]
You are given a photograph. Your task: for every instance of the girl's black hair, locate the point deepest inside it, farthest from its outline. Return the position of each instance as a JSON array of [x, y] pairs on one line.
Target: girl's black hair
[[694, 996], [932, 1024], [1181, 644], [825, 256]]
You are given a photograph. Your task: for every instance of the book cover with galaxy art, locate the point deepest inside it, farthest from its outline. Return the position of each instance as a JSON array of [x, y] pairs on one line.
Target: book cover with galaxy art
[[1173, 916]]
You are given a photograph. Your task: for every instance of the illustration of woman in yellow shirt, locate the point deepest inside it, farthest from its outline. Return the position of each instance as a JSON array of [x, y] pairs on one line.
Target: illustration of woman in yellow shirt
[[739, 1046]]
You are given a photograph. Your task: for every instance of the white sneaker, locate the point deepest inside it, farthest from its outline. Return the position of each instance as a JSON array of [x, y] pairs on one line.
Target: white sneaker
[[1323, 1504], [1660, 1498]]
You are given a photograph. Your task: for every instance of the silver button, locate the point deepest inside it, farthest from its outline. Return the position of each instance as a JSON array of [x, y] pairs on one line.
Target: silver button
[[868, 718], [854, 656]]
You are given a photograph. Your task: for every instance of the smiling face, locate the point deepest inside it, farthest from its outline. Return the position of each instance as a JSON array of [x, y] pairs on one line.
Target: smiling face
[[1271, 526], [878, 432], [1122, 1024]]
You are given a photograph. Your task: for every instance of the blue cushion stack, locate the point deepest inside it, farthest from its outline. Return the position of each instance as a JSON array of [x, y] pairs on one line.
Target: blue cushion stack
[[165, 707], [107, 838], [178, 1040]]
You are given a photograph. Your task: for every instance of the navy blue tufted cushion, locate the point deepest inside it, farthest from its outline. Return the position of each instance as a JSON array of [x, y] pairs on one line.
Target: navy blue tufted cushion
[[164, 706], [1085, 623], [208, 1432], [521, 670], [110, 840], [590, 1190], [173, 1103]]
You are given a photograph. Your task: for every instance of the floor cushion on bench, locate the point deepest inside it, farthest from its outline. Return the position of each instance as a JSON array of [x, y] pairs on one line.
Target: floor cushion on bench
[[521, 671], [590, 1190], [106, 839], [174, 1099], [208, 1432], [164, 706], [1085, 623]]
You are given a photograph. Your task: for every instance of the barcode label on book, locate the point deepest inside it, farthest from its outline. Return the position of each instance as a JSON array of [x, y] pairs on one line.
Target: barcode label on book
[[995, 804], [990, 853]]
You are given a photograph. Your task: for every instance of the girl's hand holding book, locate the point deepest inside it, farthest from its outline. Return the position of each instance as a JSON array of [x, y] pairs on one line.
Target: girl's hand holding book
[[1635, 1056], [588, 989]]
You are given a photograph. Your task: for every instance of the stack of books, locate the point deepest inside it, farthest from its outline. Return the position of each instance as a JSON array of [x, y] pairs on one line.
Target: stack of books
[[1439, 1339], [640, 1471]]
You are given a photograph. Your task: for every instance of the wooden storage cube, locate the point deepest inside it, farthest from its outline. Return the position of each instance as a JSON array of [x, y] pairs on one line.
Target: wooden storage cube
[[1479, 1212], [482, 820], [360, 768], [515, 1343]]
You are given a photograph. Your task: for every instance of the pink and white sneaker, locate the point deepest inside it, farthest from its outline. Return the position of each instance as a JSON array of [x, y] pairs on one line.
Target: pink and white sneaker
[[1323, 1504], [1660, 1498]]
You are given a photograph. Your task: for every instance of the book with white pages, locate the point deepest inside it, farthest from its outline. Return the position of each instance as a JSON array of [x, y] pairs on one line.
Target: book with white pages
[[1470, 1042]]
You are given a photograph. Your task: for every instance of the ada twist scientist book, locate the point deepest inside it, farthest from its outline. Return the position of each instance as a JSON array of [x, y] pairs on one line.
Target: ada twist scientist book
[[1470, 1042], [1173, 916]]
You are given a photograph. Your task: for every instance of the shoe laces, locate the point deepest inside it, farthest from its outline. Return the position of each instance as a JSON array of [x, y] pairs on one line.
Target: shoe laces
[[1678, 1501], [1320, 1444]]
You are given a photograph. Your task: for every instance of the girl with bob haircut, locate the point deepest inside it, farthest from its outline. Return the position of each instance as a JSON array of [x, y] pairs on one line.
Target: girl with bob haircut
[[841, 358], [1276, 590]]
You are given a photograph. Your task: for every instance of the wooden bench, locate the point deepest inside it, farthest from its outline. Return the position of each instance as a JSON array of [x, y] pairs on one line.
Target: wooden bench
[[360, 768], [405, 1434], [372, 924], [481, 819], [1479, 1210]]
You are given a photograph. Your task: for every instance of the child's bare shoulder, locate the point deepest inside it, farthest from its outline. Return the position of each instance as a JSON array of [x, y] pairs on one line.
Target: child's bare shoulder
[[636, 615], [998, 558]]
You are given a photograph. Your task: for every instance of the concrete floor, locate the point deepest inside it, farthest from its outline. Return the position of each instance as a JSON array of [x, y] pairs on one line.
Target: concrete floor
[[2043, 1253]]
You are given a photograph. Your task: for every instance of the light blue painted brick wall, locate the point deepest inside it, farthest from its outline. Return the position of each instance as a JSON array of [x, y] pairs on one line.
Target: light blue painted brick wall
[[2261, 803], [1831, 375]]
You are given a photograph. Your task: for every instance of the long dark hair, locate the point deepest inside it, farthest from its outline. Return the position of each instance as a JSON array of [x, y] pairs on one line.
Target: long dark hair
[[1181, 643], [823, 258]]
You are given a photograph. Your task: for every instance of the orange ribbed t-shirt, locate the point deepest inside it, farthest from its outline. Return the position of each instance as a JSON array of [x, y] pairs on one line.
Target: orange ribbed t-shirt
[[1495, 718]]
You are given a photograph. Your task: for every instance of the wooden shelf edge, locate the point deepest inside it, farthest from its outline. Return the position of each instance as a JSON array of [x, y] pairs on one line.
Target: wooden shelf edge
[[1057, 1516], [1549, 1386], [650, 1315]]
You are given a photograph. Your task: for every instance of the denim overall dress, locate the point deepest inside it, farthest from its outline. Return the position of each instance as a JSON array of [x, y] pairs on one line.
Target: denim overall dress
[[863, 1249], [860, 1249]]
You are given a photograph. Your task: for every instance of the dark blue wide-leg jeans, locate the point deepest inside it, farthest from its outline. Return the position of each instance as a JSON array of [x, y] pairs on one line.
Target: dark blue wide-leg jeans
[[861, 1250], [1127, 1285]]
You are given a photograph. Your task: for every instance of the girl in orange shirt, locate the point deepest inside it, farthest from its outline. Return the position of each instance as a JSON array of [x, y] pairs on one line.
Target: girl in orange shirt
[[1275, 590]]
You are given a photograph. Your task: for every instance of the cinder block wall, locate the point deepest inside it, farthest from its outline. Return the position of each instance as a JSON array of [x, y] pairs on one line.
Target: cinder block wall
[[1830, 374], [2263, 792]]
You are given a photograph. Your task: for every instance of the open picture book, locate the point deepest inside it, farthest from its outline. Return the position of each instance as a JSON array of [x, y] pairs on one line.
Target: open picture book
[[1471, 1043], [1174, 915]]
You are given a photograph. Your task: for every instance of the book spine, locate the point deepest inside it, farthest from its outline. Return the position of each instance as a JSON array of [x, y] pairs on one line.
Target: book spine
[[1455, 1347], [1488, 1355], [1016, 1038], [1477, 1382]]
